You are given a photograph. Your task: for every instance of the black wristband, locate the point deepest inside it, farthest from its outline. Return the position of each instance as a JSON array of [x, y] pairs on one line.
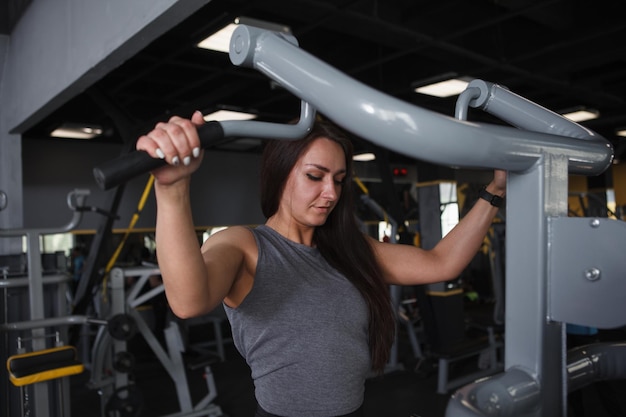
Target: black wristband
[[494, 200]]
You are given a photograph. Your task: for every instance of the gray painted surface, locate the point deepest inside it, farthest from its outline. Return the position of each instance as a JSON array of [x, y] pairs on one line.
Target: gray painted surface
[[225, 188], [57, 49]]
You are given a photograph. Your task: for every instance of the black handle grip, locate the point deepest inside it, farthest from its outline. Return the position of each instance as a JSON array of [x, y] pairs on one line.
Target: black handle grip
[[128, 166]]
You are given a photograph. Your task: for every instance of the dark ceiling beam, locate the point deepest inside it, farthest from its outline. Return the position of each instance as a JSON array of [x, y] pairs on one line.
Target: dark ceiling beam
[[484, 64], [176, 51], [443, 43]]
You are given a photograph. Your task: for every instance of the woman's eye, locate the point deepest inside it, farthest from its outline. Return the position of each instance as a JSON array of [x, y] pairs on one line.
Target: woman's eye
[[340, 182], [313, 177]]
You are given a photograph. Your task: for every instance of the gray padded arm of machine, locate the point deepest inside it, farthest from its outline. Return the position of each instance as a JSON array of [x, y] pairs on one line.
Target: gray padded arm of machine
[[513, 393], [401, 126]]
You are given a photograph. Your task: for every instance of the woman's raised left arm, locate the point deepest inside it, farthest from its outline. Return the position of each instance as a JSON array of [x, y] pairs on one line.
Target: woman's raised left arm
[[410, 265]]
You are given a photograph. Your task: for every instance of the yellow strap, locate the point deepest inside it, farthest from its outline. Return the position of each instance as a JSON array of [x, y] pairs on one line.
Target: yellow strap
[[133, 221], [367, 192], [361, 185]]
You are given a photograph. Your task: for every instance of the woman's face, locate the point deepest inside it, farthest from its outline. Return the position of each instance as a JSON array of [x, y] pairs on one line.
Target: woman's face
[[314, 184]]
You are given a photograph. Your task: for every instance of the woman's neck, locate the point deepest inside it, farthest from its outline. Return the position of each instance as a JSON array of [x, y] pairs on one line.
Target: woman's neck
[[291, 230]]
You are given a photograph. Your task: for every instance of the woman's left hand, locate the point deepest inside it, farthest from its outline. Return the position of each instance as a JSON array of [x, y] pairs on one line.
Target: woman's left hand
[[498, 184]]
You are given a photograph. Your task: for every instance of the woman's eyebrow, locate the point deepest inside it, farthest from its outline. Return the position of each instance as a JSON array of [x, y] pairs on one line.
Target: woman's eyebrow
[[325, 169]]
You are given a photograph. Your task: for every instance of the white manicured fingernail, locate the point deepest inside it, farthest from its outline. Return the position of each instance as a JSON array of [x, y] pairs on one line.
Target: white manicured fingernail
[[196, 152], [175, 161], [160, 153], [186, 160]]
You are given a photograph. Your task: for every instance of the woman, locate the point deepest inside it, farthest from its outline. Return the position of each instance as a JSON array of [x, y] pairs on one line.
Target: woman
[[306, 293]]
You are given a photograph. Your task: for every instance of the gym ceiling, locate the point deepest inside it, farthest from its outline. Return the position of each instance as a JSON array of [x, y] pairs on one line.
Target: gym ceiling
[[561, 54]]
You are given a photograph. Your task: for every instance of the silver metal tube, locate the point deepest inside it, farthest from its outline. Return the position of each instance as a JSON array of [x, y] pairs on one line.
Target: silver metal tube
[[596, 362], [523, 113], [265, 130], [463, 101], [75, 201], [401, 126], [513, 393], [23, 282], [50, 322]]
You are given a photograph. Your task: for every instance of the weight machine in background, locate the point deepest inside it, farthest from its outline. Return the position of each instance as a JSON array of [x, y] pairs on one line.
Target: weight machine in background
[[550, 265], [395, 291], [34, 325], [112, 363], [35, 341]]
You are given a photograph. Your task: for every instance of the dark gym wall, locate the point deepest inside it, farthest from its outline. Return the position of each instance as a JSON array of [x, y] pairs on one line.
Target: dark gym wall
[[225, 189]]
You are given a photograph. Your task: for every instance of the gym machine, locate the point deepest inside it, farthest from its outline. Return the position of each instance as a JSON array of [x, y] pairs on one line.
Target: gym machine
[[35, 324], [112, 362], [395, 291], [550, 267]]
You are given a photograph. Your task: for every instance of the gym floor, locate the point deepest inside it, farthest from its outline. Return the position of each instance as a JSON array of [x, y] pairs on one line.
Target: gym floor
[[402, 393]]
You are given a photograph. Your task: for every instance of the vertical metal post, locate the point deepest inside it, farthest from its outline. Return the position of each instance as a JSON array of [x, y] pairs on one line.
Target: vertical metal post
[[393, 363], [41, 404], [35, 287], [534, 344], [4, 340], [60, 310], [118, 306]]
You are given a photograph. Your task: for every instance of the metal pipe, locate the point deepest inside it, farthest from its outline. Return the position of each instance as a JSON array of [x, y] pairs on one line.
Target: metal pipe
[[75, 200], [523, 113], [23, 282], [49, 322], [401, 126], [265, 130], [516, 393], [596, 362], [463, 102]]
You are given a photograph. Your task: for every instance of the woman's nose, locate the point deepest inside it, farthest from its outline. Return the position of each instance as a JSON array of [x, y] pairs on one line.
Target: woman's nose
[[330, 190]]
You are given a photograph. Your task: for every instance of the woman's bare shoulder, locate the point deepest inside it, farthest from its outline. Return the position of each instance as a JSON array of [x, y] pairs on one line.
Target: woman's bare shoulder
[[233, 235], [241, 239], [238, 231]]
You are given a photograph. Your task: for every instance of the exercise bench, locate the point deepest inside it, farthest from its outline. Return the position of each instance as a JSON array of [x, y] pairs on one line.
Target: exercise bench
[[43, 365]]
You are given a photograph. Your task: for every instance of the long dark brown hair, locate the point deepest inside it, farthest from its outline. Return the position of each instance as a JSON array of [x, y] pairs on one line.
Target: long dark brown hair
[[340, 240]]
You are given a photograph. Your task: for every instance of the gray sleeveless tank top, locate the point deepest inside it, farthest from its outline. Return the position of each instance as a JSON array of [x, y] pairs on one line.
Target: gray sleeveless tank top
[[303, 330]]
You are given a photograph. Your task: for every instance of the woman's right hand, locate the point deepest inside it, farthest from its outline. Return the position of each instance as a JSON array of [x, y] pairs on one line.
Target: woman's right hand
[[178, 144]]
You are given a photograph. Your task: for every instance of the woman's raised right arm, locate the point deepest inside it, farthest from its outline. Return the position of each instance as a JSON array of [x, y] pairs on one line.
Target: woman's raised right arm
[[193, 285]]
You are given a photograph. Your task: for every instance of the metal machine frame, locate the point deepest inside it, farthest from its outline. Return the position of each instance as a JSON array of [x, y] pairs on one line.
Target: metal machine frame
[[549, 266], [538, 152], [49, 397], [105, 348]]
